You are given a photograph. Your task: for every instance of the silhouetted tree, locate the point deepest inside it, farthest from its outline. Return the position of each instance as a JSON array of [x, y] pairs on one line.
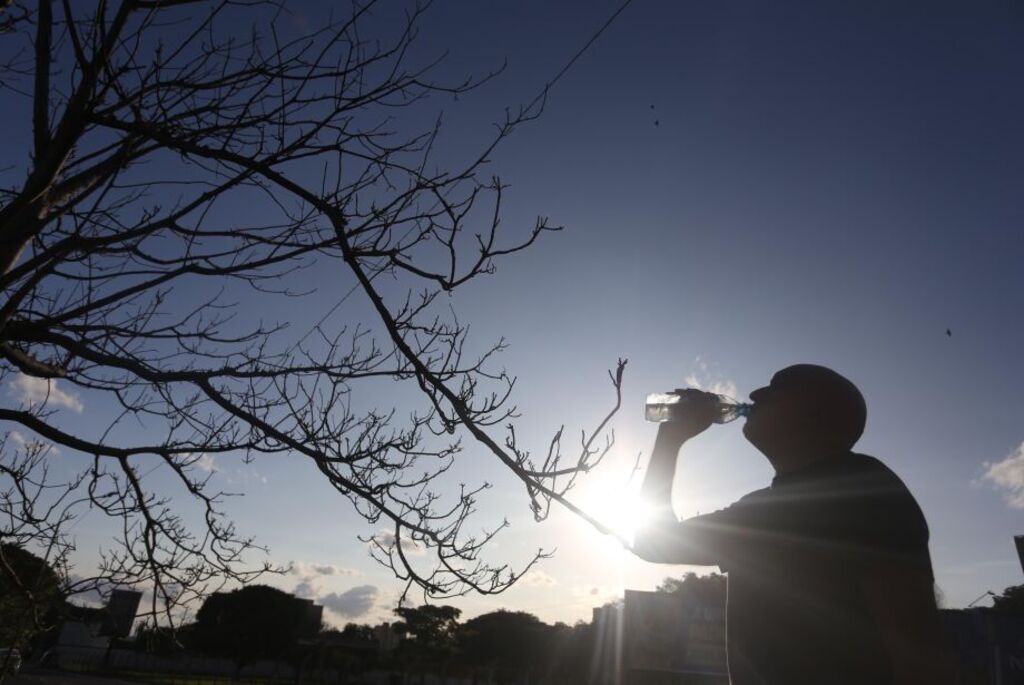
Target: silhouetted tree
[[1012, 600], [12, 12], [430, 625], [30, 596], [351, 650], [709, 589], [161, 640], [36, 510], [184, 168], [356, 631], [254, 622], [573, 653], [512, 644], [431, 636]]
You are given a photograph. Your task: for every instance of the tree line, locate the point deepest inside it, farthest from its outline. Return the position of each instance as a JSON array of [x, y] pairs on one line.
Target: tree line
[[260, 623]]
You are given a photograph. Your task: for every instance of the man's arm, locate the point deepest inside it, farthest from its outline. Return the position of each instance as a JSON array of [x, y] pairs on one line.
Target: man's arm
[[664, 539]]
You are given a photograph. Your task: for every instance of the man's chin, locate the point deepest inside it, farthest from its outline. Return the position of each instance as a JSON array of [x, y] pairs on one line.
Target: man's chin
[[753, 435]]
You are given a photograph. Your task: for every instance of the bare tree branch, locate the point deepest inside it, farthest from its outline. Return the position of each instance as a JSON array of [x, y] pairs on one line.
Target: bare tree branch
[[182, 176]]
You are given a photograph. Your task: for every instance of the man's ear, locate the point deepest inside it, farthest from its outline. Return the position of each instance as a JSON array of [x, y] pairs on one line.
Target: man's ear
[[808, 413], [815, 420]]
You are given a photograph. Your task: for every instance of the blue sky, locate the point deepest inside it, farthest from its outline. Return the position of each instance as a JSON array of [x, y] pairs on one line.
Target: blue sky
[[744, 185]]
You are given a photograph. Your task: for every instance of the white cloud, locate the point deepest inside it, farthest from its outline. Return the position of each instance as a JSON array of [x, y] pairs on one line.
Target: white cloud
[[310, 576], [703, 379], [411, 548], [1007, 476], [203, 461], [596, 595], [538, 579], [385, 538], [727, 388], [243, 476], [24, 442], [306, 569], [41, 392], [307, 588], [352, 603]]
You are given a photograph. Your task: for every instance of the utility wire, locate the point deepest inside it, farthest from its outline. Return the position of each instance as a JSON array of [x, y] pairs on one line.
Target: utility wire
[[579, 53], [561, 498], [541, 95]]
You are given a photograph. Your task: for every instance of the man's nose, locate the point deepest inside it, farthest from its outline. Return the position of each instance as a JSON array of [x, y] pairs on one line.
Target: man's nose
[[757, 394]]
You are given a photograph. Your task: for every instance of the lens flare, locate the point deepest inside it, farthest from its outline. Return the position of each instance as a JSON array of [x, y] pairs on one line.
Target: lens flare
[[624, 513]]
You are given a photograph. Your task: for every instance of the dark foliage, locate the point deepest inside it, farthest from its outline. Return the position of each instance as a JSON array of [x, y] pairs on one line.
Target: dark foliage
[[1012, 600], [708, 590], [255, 622], [30, 596], [506, 643], [433, 627]]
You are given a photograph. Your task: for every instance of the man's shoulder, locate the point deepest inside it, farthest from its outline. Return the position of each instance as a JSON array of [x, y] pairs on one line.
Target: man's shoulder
[[883, 500], [873, 477], [754, 497], [854, 486], [867, 463], [739, 513]]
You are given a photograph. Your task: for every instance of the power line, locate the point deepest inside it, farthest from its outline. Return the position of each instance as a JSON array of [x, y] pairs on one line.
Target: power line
[[544, 91], [579, 53]]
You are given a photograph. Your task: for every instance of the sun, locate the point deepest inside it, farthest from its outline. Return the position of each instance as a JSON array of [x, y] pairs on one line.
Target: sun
[[612, 499], [621, 511]]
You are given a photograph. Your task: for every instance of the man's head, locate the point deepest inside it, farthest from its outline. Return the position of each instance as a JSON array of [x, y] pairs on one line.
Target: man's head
[[806, 412]]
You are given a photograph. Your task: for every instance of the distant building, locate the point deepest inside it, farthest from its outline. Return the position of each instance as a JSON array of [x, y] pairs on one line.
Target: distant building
[[313, 617], [990, 644], [387, 638], [85, 636], [672, 637], [119, 614]]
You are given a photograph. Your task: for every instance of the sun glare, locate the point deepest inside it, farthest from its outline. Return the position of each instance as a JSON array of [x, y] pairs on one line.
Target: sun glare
[[623, 513]]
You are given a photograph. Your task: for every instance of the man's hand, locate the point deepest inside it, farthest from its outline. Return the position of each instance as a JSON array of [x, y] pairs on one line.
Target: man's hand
[[694, 413], [663, 540]]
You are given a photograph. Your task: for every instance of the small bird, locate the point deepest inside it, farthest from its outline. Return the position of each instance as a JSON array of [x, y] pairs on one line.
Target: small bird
[[657, 123], [949, 333]]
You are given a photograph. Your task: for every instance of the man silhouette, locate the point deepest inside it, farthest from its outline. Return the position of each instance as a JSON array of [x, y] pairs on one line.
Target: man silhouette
[[830, 580]]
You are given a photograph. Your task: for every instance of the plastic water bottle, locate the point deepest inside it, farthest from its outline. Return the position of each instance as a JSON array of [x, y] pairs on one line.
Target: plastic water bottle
[[661, 407]]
